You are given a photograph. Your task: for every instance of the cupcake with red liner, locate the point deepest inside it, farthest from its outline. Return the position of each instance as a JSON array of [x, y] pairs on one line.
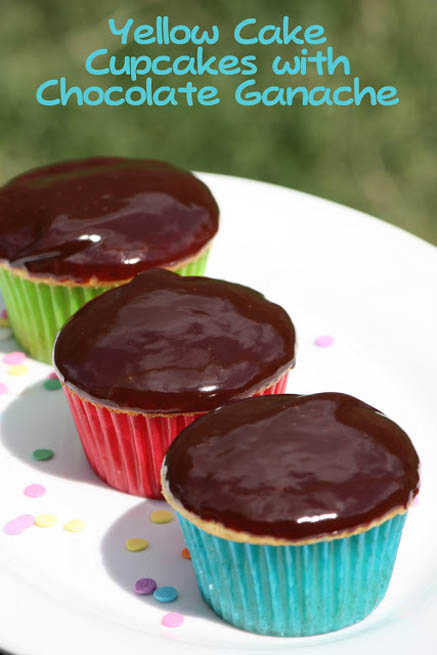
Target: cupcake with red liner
[[72, 230], [141, 362]]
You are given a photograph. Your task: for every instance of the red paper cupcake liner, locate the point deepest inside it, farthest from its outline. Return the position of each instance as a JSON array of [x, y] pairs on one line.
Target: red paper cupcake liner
[[126, 450]]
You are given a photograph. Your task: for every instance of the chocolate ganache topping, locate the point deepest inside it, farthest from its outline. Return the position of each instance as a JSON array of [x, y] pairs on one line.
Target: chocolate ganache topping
[[165, 343], [293, 467], [105, 218]]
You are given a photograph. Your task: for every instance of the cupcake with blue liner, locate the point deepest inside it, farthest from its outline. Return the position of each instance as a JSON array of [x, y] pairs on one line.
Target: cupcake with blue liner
[[292, 508]]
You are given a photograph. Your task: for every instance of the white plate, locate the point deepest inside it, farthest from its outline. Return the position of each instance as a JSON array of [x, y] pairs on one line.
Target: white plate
[[338, 272]]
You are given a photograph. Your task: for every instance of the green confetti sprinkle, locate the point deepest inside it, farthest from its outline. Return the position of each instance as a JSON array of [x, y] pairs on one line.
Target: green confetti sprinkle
[[52, 384], [43, 454]]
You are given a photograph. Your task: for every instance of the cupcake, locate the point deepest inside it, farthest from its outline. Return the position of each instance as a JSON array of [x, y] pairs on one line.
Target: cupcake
[[292, 508], [142, 361], [70, 231]]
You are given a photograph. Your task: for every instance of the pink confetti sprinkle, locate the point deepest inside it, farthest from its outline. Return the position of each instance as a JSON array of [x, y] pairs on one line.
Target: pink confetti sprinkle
[[3, 388], [172, 620], [4, 314], [324, 341], [14, 358], [52, 376], [18, 525], [34, 490]]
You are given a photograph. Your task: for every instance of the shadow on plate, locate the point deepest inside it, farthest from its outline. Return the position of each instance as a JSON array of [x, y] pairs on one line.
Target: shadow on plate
[[162, 560], [38, 418]]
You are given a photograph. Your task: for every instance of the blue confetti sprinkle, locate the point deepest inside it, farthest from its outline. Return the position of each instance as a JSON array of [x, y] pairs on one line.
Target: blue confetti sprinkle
[[165, 594]]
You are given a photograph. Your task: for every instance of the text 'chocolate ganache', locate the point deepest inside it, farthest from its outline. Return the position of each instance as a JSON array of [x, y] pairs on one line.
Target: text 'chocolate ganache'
[[293, 467], [104, 218], [165, 343]]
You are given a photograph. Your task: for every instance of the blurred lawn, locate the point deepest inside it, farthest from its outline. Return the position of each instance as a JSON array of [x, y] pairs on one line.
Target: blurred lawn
[[380, 160]]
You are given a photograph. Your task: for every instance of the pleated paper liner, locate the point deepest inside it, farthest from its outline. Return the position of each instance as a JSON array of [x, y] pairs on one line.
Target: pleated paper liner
[[294, 591], [126, 450], [37, 311]]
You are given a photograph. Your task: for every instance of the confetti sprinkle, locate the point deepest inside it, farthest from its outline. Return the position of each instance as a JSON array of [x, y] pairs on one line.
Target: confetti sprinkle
[[17, 370], [161, 516], [165, 594], [51, 384], [52, 376], [11, 359], [18, 525], [136, 544], [46, 520], [43, 454], [3, 388], [4, 319], [172, 620], [324, 341], [75, 525], [185, 553], [34, 491], [145, 586]]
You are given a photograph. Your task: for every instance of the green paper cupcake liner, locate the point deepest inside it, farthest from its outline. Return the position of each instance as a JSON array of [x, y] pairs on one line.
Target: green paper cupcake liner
[[37, 311], [196, 267], [294, 591]]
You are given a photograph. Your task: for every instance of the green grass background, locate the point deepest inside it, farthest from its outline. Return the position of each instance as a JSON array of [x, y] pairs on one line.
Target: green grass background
[[380, 160]]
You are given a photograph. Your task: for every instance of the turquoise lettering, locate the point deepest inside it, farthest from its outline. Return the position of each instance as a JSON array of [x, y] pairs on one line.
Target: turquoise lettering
[[123, 32], [90, 59], [40, 97], [239, 28]]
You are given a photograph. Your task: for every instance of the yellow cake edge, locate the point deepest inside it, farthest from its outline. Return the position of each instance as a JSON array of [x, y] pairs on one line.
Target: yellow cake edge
[[94, 281], [218, 529], [169, 415]]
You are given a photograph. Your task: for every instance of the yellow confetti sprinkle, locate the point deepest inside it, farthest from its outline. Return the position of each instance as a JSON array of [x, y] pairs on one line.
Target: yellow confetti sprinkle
[[4, 322], [161, 516], [75, 525], [136, 544], [46, 520], [18, 369]]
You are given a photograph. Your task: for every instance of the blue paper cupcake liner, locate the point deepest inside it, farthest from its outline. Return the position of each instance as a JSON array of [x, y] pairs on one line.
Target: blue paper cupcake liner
[[294, 591]]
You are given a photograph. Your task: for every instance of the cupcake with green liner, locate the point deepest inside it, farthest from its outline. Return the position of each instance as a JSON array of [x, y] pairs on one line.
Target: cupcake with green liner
[[292, 508], [72, 230]]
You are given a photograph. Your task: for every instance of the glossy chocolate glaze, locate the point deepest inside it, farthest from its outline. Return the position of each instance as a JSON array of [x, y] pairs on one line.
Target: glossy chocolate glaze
[[293, 467], [107, 218], [166, 343]]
